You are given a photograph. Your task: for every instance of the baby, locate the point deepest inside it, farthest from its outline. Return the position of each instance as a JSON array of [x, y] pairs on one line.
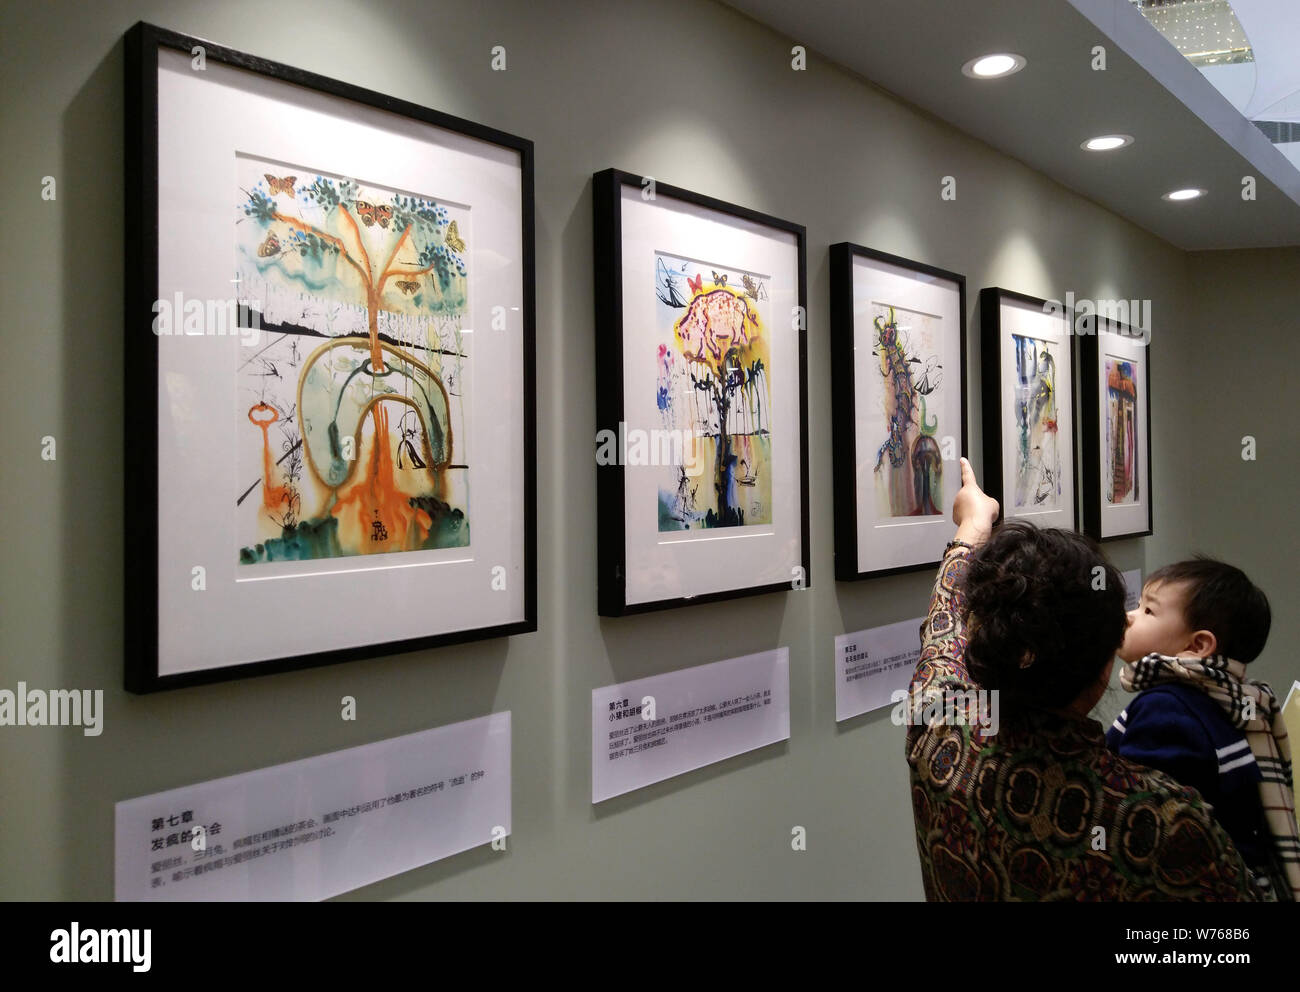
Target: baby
[[1198, 718]]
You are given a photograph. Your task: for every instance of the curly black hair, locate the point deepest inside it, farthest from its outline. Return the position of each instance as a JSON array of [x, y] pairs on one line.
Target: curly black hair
[[1044, 615]]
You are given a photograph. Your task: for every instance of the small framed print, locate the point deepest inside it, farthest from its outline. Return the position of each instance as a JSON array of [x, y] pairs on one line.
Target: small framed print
[[702, 420], [1115, 422], [1028, 402], [329, 370], [898, 383]]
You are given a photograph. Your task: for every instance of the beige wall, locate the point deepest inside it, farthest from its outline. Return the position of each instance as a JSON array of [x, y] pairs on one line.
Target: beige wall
[[700, 97], [1237, 377]]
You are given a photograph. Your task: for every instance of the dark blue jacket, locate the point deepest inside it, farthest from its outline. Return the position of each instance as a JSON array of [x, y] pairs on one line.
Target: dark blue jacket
[[1179, 730]]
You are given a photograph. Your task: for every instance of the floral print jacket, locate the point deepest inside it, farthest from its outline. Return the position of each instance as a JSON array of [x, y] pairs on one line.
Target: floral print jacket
[[1037, 807]]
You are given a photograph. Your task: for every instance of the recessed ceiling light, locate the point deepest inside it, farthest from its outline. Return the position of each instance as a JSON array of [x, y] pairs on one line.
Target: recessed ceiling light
[[1185, 194], [1107, 142], [993, 66]]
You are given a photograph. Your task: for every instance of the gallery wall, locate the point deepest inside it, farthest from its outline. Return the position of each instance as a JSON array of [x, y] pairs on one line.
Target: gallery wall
[[698, 96], [1233, 382]]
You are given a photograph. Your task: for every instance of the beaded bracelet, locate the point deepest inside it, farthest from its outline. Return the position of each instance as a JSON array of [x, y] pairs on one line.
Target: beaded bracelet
[[957, 544]]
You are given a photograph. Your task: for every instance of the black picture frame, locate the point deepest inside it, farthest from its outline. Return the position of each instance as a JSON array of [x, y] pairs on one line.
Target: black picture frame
[[990, 313], [844, 400], [1087, 357], [143, 43], [607, 188]]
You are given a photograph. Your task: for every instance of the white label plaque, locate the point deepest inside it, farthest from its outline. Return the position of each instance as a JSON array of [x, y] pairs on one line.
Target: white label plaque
[[657, 727], [313, 828], [872, 664], [1132, 588]]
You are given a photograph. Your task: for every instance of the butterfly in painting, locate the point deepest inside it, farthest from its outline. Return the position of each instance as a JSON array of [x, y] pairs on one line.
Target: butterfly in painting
[[753, 287], [695, 284], [372, 214], [719, 278], [269, 247], [453, 238], [407, 285], [277, 185]]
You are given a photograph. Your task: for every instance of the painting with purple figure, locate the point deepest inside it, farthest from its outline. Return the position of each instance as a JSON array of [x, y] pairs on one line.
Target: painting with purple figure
[[713, 396], [1121, 482], [350, 412], [1038, 460], [908, 466]]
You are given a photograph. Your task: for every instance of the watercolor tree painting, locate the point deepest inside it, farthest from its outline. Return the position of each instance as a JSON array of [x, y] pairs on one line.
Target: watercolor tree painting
[[1038, 459], [362, 374], [909, 464], [712, 386], [1121, 431]]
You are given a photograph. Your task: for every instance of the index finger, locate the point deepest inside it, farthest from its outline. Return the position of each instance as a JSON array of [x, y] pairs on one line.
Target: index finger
[[967, 473]]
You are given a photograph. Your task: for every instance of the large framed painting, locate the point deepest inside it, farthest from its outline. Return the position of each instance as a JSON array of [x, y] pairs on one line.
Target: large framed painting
[[329, 370], [1028, 402], [898, 384], [1115, 426], [702, 421]]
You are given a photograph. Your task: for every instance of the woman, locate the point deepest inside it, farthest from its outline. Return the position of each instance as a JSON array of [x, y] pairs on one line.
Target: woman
[[1036, 807]]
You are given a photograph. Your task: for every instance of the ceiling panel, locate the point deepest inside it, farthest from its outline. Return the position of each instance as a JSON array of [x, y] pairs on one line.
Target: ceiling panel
[[1187, 133]]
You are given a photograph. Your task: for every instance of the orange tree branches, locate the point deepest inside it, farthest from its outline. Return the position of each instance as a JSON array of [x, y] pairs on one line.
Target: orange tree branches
[[336, 242], [365, 255]]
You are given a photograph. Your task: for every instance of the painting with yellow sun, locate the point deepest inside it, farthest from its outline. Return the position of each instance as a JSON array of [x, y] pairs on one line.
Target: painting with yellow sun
[[713, 390]]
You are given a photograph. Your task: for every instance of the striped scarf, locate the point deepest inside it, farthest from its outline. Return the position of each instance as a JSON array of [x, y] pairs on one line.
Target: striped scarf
[[1253, 708]]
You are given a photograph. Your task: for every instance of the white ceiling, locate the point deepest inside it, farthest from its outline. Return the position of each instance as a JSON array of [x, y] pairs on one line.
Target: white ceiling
[[1273, 29], [1188, 134]]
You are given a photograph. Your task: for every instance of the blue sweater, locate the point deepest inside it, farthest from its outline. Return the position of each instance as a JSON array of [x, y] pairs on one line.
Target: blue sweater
[[1179, 730]]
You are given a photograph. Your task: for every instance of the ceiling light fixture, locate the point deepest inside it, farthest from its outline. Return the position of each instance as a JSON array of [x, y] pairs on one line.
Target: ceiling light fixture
[[1185, 194], [1107, 142], [993, 66]]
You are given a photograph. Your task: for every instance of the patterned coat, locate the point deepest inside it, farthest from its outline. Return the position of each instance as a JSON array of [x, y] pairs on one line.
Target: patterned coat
[[1038, 808]]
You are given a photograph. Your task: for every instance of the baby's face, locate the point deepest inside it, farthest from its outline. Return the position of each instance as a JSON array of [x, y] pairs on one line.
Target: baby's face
[[1157, 624]]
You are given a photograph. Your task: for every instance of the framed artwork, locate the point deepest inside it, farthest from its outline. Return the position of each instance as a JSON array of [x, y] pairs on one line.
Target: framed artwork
[[1115, 422], [329, 370], [898, 382], [702, 411], [1028, 401]]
